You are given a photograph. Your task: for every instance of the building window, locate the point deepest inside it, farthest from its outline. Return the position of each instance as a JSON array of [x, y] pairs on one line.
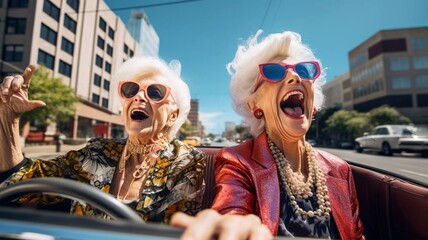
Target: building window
[[69, 23], [18, 4], [111, 33], [15, 25], [420, 43], [102, 24], [131, 53], [13, 53], [400, 82], [100, 42], [106, 85], [67, 46], [125, 49], [97, 80], [64, 68], [109, 50], [104, 103], [387, 46], [108, 67], [95, 98], [420, 62], [48, 34], [46, 59], [422, 81], [73, 4], [50, 9], [422, 100], [99, 61], [359, 59], [399, 64]]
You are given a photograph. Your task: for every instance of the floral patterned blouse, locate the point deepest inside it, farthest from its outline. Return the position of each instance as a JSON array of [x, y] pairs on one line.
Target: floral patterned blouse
[[174, 183]]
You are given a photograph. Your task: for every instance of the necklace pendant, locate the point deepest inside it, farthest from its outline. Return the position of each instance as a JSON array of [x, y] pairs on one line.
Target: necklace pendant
[[138, 173]]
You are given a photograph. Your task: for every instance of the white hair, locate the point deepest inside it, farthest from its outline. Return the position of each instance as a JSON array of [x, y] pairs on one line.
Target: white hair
[[169, 75], [244, 70]]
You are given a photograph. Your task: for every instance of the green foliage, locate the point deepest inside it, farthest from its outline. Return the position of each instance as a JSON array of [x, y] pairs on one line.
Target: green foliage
[[387, 115], [210, 135], [59, 98], [344, 125], [185, 130]]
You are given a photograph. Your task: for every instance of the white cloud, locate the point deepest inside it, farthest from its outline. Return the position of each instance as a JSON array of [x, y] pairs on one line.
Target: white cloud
[[212, 121]]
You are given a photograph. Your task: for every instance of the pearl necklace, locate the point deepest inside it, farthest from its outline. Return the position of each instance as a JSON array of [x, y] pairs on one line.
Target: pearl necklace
[[298, 190]]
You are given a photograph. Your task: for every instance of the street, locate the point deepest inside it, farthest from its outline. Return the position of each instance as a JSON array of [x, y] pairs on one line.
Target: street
[[410, 165]]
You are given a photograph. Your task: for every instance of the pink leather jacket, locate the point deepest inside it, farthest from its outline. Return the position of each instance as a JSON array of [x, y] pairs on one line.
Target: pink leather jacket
[[247, 183]]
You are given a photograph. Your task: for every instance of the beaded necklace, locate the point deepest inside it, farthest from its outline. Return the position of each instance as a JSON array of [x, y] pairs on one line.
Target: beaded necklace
[[297, 189]]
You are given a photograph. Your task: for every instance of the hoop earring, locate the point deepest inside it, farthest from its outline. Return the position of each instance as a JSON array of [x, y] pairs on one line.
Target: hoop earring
[[258, 113]]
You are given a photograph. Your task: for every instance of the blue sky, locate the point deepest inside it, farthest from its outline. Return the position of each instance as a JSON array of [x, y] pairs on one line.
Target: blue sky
[[203, 36]]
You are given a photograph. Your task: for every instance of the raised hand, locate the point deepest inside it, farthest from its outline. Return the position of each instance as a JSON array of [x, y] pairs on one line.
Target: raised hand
[[14, 94]]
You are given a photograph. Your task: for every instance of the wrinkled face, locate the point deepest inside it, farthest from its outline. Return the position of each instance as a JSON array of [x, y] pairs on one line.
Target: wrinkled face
[[287, 105], [147, 120]]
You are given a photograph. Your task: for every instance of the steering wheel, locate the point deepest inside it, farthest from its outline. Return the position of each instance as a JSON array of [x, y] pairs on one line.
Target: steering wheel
[[73, 190]]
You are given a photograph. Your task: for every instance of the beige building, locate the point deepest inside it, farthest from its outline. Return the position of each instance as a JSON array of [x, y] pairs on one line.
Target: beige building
[[334, 91], [80, 41], [391, 67]]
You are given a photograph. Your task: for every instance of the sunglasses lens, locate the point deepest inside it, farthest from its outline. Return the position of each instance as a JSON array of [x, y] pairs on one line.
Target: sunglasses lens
[[307, 70], [274, 72], [156, 92], [129, 89]]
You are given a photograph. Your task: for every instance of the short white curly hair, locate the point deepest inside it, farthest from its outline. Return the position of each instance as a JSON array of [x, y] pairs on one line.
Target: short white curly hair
[[169, 75], [244, 70]]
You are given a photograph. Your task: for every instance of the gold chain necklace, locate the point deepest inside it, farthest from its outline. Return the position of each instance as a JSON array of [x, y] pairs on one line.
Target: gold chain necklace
[[149, 152], [298, 190], [135, 149]]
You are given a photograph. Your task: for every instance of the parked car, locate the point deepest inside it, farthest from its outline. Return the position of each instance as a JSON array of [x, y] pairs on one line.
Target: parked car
[[192, 141], [206, 142], [389, 139]]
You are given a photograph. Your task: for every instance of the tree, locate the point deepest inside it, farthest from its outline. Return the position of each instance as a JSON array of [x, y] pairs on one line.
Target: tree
[[343, 124], [387, 115], [59, 98]]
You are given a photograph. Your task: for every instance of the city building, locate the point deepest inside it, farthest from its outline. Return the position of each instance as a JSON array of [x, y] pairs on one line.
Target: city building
[[78, 41], [335, 91], [193, 117], [140, 28], [391, 67]]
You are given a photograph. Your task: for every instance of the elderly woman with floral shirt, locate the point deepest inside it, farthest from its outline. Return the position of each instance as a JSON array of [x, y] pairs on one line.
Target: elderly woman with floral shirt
[[149, 171]]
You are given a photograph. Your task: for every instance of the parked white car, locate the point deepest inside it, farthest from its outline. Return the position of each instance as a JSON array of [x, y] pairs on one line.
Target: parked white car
[[389, 139]]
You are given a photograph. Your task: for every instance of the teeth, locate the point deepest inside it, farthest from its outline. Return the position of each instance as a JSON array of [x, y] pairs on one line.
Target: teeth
[[137, 110], [294, 93]]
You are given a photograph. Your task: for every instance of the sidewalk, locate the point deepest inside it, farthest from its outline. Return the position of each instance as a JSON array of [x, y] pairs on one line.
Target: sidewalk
[[48, 151]]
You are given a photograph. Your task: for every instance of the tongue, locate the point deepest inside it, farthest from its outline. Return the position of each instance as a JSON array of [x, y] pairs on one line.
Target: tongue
[[296, 111]]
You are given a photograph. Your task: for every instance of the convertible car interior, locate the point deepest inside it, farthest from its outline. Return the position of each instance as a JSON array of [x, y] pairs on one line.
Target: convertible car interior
[[391, 207]]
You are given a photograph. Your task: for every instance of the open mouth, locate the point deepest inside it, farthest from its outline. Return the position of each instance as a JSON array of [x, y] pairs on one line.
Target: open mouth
[[293, 104], [138, 114]]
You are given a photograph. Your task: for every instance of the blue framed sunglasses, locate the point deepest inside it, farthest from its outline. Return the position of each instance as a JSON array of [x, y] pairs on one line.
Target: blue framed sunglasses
[[276, 72]]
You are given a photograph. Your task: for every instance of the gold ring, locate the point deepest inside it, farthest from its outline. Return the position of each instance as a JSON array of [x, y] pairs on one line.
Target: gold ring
[[24, 86]]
